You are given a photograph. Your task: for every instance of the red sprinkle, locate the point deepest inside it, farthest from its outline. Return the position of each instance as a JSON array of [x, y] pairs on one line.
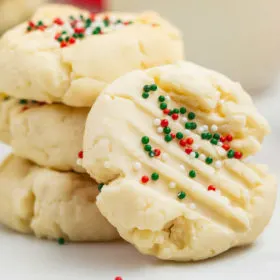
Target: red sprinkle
[[72, 41], [63, 44], [126, 23], [79, 30], [157, 152], [211, 188], [189, 141], [145, 179], [41, 28], [166, 111], [229, 138], [183, 142], [226, 147], [164, 123], [173, 135], [118, 278], [222, 139], [238, 155], [58, 21], [188, 150], [24, 108], [31, 24], [175, 117], [57, 36], [81, 154], [92, 17]]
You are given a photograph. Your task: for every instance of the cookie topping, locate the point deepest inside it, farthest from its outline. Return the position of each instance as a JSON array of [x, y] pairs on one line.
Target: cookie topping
[[100, 186], [61, 241], [183, 138], [67, 32], [181, 195]]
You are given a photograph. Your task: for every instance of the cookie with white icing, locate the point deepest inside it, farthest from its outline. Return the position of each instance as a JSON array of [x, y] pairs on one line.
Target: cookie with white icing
[[68, 55], [47, 134], [169, 144], [50, 204]]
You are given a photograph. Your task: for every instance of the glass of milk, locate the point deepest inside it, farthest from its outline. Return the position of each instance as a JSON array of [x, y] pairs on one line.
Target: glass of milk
[[240, 38]]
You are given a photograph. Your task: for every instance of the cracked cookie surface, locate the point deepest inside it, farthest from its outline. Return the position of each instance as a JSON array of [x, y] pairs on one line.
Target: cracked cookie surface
[[50, 204], [68, 55], [170, 145], [47, 134]]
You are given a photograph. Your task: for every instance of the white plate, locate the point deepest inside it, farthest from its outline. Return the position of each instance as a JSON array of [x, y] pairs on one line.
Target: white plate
[[26, 258]]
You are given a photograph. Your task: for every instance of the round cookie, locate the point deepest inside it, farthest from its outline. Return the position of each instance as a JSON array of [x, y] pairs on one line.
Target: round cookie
[[50, 204], [169, 144], [68, 55], [49, 135], [16, 11]]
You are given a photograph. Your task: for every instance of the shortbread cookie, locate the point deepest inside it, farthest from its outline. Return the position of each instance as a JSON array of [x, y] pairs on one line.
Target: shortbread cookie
[[169, 144], [69, 55], [50, 204], [49, 135]]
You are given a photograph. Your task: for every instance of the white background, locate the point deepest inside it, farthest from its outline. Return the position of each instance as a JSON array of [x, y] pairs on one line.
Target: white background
[[26, 258]]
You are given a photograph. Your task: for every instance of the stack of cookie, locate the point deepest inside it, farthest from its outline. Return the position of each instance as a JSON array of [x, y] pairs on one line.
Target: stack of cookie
[[52, 70]]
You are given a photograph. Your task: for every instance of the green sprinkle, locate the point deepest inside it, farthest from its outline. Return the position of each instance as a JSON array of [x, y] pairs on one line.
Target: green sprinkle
[[67, 39], [193, 125], [192, 174], [106, 22], [146, 88], [167, 130], [181, 195], [147, 148], [75, 35], [179, 135], [81, 17], [216, 136], [22, 101], [153, 87], [151, 154], [60, 39], [163, 106], [97, 30], [88, 22], [61, 241], [191, 116], [64, 32], [155, 176], [118, 21], [71, 17], [204, 135], [188, 125], [145, 140], [168, 138], [208, 160], [100, 186], [145, 95], [230, 154], [161, 98], [209, 135], [81, 35], [40, 23], [175, 111], [196, 154], [214, 141], [29, 28], [183, 110]]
